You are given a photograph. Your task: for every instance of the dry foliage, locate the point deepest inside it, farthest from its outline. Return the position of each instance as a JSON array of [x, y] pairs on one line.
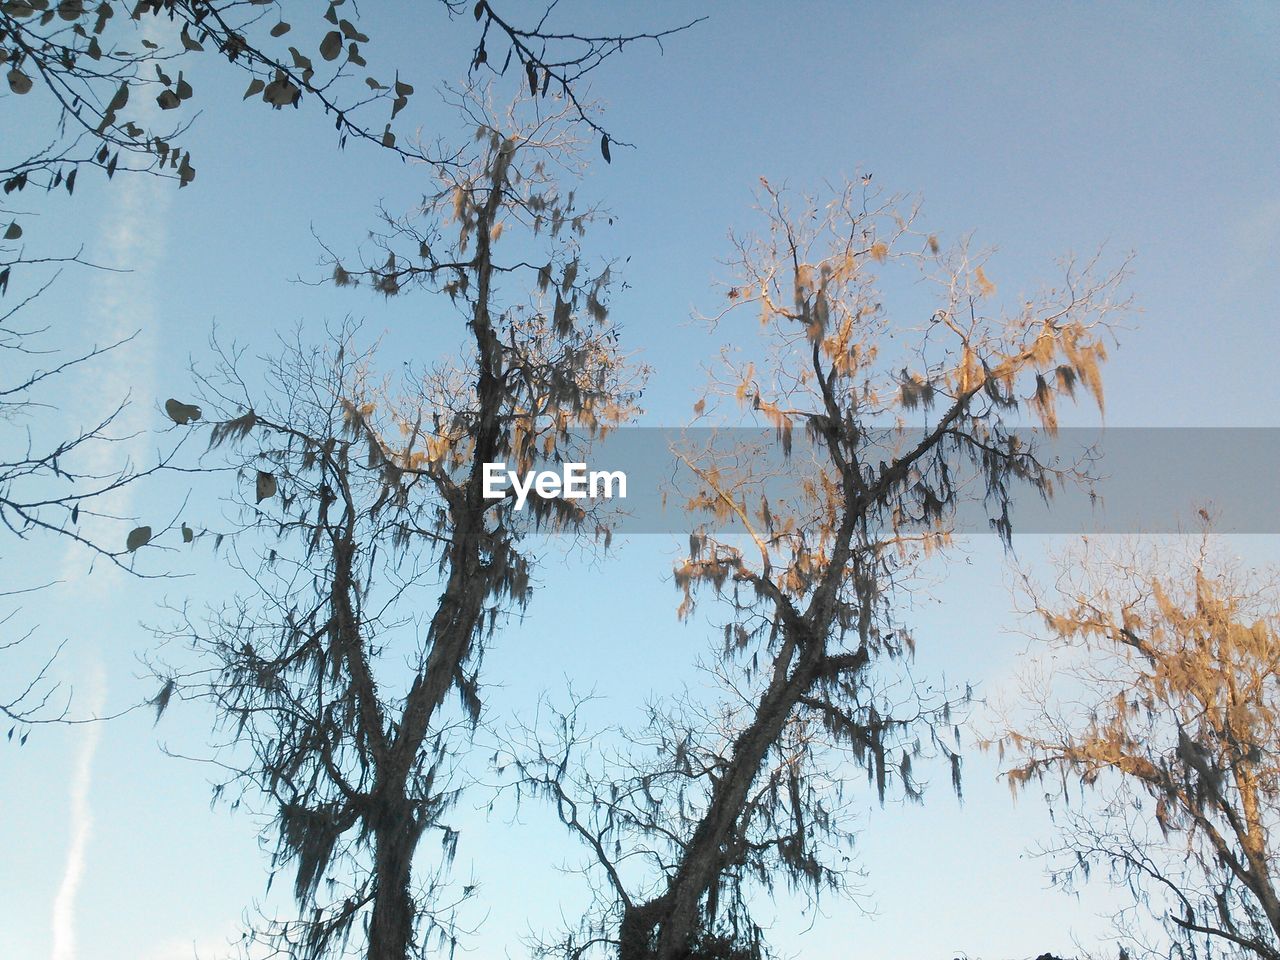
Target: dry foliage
[[334, 695], [903, 424], [98, 72], [1161, 702]]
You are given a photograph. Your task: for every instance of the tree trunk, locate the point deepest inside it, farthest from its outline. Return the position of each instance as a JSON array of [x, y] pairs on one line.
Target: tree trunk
[[391, 923], [674, 916]]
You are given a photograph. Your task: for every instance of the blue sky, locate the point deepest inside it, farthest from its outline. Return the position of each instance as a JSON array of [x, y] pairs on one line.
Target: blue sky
[[1045, 129]]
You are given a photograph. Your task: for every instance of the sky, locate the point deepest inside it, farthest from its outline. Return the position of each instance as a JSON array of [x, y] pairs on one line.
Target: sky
[[1046, 130]]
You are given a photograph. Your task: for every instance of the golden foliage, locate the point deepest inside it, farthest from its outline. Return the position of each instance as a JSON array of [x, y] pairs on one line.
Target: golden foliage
[[985, 287], [1168, 701]]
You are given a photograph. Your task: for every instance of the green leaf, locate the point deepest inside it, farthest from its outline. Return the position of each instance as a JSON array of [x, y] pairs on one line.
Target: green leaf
[[138, 537], [188, 534], [604, 148], [168, 100], [256, 86], [14, 231], [280, 29]]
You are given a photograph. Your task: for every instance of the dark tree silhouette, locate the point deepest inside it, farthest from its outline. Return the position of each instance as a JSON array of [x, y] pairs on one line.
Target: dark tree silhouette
[[333, 691], [752, 789], [89, 67], [106, 86]]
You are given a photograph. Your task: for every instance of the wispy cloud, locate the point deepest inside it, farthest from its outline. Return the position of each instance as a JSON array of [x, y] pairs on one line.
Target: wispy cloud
[[201, 948], [133, 239], [81, 826], [1256, 236], [122, 305]]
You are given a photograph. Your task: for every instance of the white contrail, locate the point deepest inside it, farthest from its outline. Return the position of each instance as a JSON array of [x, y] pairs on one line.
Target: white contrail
[[138, 204], [122, 304], [81, 823]]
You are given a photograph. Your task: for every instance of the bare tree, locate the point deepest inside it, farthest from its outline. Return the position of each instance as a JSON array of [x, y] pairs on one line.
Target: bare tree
[[903, 423], [1158, 693], [101, 84], [34, 702], [92, 66], [333, 691], [57, 484], [47, 484]]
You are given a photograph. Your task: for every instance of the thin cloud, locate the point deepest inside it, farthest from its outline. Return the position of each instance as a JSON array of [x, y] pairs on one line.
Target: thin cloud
[[201, 948], [132, 239], [81, 827], [122, 305]]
